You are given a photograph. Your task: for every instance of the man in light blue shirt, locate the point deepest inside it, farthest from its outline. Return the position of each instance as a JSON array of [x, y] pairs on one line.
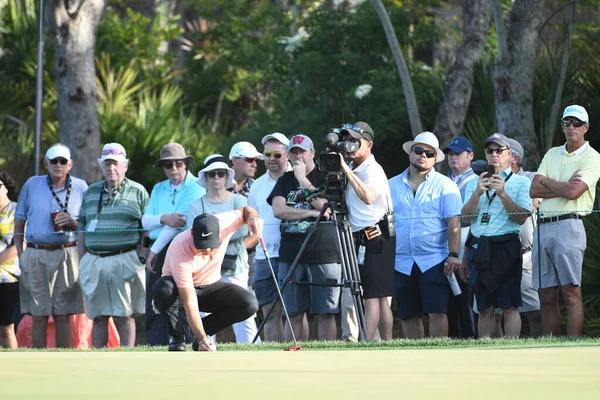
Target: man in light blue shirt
[[165, 216], [49, 284], [426, 208], [496, 205]]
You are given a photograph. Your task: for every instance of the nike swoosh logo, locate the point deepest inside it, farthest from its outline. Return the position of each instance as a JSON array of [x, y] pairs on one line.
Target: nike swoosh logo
[[206, 234]]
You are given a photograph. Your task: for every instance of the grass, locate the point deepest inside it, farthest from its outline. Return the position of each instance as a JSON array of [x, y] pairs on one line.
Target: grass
[[397, 344], [495, 369]]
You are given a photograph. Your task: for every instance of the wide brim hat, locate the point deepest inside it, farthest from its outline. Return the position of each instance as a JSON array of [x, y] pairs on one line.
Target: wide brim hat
[[171, 152], [429, 139], [214, 162]]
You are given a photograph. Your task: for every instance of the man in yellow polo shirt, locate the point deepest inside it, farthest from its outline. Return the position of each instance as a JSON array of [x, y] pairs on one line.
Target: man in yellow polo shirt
[[566, 180]]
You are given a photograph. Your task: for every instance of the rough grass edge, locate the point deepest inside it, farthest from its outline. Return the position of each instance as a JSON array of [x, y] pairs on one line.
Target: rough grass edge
[[397, 344]]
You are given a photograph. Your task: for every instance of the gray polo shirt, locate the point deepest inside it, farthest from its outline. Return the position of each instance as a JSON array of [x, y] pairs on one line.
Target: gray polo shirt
[[36, 202]]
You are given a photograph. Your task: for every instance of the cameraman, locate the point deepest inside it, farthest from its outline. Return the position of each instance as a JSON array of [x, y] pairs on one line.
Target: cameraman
[[368, 200]]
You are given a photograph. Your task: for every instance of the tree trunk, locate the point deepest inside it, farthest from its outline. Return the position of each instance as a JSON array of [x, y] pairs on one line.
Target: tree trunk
[[73, 26], [513, 75], [459, 80], [409, 91]]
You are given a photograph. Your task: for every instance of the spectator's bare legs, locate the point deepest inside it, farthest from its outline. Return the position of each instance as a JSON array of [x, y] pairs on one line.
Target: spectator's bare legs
[[326, 328], [413, 328], [535, 323], [305, 329], [512, 322], [273, 326], [386, 318], [100, 332], [126, 328], [7, 336], [298, 324], [487, 323], [499, 332], [550, 311], [39, 327], [438, 325], [62, 326], [371, 316], [572, 296]]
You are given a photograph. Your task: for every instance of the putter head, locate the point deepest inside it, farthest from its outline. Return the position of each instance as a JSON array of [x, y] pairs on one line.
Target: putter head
[[293, 348]]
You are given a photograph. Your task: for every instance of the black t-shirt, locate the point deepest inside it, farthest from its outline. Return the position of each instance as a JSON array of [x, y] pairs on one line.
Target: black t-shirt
[[323, 244]]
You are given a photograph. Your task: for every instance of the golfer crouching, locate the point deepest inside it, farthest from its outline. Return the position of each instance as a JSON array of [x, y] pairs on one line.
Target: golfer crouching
[[191, 274]]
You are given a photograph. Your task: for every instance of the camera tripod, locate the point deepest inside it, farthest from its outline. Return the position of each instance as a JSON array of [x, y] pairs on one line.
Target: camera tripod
[[350, 272]]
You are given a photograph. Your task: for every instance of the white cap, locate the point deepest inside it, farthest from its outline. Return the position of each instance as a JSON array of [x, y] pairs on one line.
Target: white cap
[[113, 151], [577, 112], [280, 137], [58, 150], [245, 149], [429, 139], [301, 141]]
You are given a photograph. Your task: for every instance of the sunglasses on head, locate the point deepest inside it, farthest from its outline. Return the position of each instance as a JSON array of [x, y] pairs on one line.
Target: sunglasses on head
[[273, 154], [62, 161], [357, 128], [575, 122], [213, 174], [169, 165], [115, 152], [419, 151], [498, 151]]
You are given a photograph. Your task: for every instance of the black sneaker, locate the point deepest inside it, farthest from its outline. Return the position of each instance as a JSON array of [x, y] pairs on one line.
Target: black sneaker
[[177, 344]]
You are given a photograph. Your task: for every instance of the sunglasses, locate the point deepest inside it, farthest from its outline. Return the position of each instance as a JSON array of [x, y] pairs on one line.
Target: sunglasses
[[273, 154], [498, 151], [213, 174], [419, 151], [115, 152], [357, 128], [576, 123], [62, 161], [249, 160], [169, 165]]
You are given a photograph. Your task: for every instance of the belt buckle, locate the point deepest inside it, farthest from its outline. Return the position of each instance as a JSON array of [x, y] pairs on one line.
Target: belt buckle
[[372, 232]]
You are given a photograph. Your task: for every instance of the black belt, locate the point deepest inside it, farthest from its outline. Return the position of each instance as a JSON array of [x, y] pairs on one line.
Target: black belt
[[557, 218], [115, 252], [51, 246]]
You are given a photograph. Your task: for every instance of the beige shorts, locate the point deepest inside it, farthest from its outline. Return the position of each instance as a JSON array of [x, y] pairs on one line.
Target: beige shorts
[[49, 282], [531, 299], [114, 285]]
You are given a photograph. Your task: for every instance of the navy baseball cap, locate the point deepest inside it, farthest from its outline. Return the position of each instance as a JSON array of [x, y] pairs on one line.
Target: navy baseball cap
[[459, 144], [205, 231]]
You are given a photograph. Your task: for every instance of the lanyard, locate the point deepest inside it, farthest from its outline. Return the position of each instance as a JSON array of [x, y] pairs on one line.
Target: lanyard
[[113, 194], [490, 199], [60, 204]]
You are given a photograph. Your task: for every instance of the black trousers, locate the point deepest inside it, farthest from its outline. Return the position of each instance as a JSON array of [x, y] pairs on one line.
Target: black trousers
[[156, 327], [227, 303]]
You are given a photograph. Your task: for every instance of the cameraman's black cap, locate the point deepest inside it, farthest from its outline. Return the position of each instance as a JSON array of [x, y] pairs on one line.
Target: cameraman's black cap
[[365, 132], [205, 231]]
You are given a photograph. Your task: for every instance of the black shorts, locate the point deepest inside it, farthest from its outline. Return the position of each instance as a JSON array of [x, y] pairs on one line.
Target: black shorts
[[9, 298], [422, 292], [377, 274]]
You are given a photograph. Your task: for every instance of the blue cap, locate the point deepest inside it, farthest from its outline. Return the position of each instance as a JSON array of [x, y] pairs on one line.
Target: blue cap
[[459, 144]]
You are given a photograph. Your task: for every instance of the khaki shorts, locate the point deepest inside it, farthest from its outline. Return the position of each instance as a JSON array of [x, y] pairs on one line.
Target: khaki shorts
[[49, 282], [562, 248], [531, 299], [114, 285]]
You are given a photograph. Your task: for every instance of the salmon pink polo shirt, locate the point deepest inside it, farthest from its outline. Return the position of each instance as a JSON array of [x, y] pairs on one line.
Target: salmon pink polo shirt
[[189, 268]]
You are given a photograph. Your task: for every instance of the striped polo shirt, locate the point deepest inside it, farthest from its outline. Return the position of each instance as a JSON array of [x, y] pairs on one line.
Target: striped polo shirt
[[122, 216]]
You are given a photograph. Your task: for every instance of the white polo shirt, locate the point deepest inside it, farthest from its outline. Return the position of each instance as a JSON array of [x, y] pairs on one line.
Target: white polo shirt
[[261, 189], [360, 214]]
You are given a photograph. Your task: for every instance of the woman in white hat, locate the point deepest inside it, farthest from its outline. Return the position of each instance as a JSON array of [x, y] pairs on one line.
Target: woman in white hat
[[217, 176]]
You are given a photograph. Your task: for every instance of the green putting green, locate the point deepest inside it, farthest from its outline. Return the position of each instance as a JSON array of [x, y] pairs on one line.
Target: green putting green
[[479, 373]]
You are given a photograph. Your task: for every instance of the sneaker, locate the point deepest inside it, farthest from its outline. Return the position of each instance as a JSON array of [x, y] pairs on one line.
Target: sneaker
[[177, 344]]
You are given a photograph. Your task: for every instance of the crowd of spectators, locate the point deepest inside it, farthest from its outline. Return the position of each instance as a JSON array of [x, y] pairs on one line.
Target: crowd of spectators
[[187, 255]]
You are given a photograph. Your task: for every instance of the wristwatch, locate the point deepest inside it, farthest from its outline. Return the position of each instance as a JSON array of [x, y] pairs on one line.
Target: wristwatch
[[453, 254]]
